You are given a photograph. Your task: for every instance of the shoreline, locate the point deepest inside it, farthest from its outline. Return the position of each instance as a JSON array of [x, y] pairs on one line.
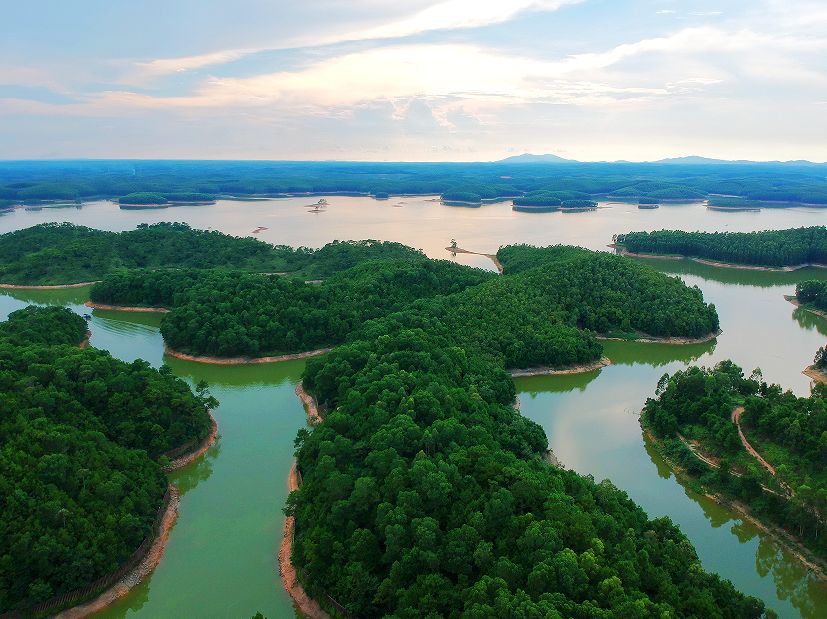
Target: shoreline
[[243, 360], [308, 607], [663, 340], [136, 575], [817, 566], [127, 308], [794, 300], [153, 556], [492, 257], [192, 456], [547, 371], [812, 372], [50, 287], [84, 343], [715, 263]]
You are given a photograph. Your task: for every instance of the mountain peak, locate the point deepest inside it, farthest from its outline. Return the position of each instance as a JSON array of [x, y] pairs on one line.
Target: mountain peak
[[529, 158]]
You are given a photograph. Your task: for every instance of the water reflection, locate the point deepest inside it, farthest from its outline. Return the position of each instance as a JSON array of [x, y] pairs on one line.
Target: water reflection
[[810, 321], [655, 355]]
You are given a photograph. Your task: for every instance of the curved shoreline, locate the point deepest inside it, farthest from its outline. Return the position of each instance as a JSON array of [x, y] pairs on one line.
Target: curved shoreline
[[153, 556], [663, 340], [192, 456], [548, 371], [126, 308], [243, 360], [802, 554], [715, 263], [52, 287], [794, 300], [308, 607], [135, 576]]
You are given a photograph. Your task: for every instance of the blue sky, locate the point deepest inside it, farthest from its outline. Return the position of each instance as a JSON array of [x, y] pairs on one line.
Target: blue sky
[[467, 80]]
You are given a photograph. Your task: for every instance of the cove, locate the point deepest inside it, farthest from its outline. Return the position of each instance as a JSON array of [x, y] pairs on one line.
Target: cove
[[221, 557]]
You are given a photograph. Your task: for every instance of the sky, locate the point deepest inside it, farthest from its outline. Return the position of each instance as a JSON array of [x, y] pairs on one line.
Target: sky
[[413, 80]]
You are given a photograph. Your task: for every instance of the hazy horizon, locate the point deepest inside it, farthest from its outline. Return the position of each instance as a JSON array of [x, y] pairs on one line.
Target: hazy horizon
[[423, 80]]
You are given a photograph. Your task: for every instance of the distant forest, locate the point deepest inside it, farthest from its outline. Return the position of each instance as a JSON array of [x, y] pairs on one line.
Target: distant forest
[[772, 248], [766, 183]]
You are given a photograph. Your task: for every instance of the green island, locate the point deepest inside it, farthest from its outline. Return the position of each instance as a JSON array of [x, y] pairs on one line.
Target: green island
[[84, 438], [789, 248], [752, 444], [425, 493], [545, 310]]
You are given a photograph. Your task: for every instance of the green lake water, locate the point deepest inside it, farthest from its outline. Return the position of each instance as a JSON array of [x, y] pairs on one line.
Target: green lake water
[[220, 560]]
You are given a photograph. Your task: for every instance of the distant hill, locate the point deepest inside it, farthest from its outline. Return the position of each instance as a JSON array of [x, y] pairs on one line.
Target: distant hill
[[529, 158], [694, 159]]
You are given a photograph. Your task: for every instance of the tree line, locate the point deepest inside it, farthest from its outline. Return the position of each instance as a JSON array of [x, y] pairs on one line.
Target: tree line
[[812, 293], [773, 248]]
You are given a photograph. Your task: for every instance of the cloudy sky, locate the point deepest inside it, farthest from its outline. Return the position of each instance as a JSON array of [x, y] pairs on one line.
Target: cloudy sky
[[413, 80]]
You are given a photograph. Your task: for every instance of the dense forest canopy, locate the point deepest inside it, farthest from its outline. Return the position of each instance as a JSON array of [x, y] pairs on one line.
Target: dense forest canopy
[[812, 293], [143, 197], [775, 248], [541, 312], [767, 182], [425, 494], [80, 438], [43, 325], [60, 253], [789, 431]]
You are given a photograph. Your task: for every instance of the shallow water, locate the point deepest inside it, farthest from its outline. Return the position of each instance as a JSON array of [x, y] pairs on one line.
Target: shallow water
[[220, 560]]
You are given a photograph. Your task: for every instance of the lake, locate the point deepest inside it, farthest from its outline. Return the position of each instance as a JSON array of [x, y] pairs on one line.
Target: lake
[[220, 560]]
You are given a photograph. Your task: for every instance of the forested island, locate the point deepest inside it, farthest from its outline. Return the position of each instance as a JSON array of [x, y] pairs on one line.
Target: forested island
[[770, 184], [84, 437], [812, 295], [749, 442], [546, 315], [793, 247], [425, 493]]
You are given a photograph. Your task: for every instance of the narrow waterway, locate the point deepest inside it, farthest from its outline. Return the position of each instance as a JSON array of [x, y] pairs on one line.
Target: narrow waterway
[[220, 560]]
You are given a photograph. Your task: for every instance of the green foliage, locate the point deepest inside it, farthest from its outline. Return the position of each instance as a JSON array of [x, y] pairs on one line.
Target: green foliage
[[578, 203], [462, 196], [43, 325], [80, 435], [424, 494], [789, 431], [812, 293], [769, 248], [538, 198], [143, 197], [189, 196]]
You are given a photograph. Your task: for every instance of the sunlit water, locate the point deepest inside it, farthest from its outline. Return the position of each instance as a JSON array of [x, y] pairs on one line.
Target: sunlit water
[[220, 560]]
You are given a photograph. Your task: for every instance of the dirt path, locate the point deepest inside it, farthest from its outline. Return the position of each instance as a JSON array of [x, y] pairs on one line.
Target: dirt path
[[55, 287], [652, 339], [126, 308], [492, 257], [576, 369], [736, 419], [309, 607], [243, 360], [141, 571]]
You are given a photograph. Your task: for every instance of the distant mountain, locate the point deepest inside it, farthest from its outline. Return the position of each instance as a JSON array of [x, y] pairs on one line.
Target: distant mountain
[[695, 160], [529, 158]]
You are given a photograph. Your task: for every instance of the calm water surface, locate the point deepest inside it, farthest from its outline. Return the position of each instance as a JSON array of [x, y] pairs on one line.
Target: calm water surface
[[220, 560]]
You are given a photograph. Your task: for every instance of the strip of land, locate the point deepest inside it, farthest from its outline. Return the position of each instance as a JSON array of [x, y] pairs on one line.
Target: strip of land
[[192, 456], [491, 257], [792, 299], [653, 339], [53, 287], [815, 374], [714, 263], [576, 369], [127, 308], [306, 605], [243, 360]]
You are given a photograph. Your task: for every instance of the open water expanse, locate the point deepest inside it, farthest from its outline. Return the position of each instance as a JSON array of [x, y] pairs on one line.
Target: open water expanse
[[221, 557]]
